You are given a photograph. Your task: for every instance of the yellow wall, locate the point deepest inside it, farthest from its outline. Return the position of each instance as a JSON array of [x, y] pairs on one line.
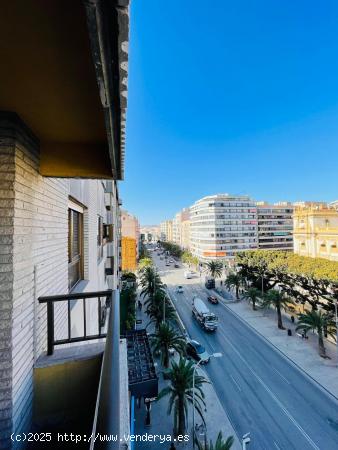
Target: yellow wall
[[128, 253], [316, 233]]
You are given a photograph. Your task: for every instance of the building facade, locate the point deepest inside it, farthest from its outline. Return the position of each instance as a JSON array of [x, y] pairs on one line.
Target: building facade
[[177, 226], [275, 226], [334, 204], [185, 234], [130, 231], [60, 163], [166, 230], [176, 236], [221, 225], [128, 254], [151, 233], [316, 232]]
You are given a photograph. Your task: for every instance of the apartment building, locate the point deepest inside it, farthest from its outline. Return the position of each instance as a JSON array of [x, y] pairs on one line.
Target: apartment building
[[130, 231], [221, 225], [334, 204], [178, 224], [185, 234], [150, 233], [275, 226], [62, 143], [316, 231], [166, 230], [176, 237]]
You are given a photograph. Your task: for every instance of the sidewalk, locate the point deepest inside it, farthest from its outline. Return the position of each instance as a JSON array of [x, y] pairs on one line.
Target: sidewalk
[[303, 352], [162, 423]]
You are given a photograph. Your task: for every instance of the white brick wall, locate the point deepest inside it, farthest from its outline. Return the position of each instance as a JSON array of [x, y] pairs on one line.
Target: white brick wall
[[33, 263], [34, 232]]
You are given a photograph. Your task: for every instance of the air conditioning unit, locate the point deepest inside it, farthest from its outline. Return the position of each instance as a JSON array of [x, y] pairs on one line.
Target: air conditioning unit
[[107, 199], [109, 266]]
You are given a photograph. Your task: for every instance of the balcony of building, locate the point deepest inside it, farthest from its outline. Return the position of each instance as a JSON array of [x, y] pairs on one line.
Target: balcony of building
[[85, 382], [65, 79], [63, 98]]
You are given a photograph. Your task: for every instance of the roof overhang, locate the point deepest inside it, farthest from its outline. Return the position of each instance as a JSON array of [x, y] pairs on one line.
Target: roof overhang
[[64, 73]]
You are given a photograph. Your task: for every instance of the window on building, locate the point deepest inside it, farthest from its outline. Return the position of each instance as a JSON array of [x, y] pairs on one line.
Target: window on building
[[75, 247]]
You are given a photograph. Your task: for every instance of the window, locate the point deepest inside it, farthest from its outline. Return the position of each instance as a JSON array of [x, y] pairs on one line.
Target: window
[[75, 247]]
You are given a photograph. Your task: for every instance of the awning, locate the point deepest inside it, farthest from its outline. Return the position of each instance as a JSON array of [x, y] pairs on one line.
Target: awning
[[143, 381]]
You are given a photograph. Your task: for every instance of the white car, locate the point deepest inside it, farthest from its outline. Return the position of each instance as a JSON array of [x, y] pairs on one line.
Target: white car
[[188, 274], [171, 260], [179, 290]]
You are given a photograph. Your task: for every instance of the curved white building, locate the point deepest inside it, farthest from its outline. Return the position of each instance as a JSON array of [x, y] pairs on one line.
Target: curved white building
[[221, 225]]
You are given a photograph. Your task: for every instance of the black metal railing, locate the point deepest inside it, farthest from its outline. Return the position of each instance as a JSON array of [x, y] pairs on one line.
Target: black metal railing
[[107, 411], [84, 296]]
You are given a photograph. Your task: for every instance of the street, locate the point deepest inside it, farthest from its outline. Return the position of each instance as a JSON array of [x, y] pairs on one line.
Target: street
[[260, 390]]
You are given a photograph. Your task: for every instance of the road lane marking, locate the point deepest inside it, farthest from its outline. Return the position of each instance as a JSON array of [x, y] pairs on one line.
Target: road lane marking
[[238, 386], [286, 412], [212, 348], [276, 445], [278, 373]]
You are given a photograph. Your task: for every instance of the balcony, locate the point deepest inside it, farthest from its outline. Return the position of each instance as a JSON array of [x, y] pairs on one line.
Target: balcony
[[82, 384], [73, 379]]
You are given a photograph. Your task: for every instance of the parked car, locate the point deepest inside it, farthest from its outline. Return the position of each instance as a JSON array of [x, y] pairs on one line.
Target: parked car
[[167, 263], [176, 266], [179, 289], [195, 350], [171, 260], [212, 299]]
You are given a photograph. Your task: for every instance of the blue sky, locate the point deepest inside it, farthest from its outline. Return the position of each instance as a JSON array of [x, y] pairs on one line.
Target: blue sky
[[230, 96]]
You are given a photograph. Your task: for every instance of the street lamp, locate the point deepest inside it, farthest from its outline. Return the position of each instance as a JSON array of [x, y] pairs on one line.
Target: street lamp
[[214, 355]]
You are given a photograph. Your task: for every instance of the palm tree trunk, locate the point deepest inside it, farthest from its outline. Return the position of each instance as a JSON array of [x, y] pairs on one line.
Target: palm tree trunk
[[322, 350], [237, 289], [166, 358], [181, 417], [279, 315], [254, 304]]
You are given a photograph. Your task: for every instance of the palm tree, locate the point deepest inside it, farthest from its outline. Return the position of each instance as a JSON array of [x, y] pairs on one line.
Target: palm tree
[[145, 262], [155, 309], [220, 444], [150, 282], [234, 280], [165, 338], [279, 301], [214, 268], [180, 393], [252, 295], [319, 321]]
